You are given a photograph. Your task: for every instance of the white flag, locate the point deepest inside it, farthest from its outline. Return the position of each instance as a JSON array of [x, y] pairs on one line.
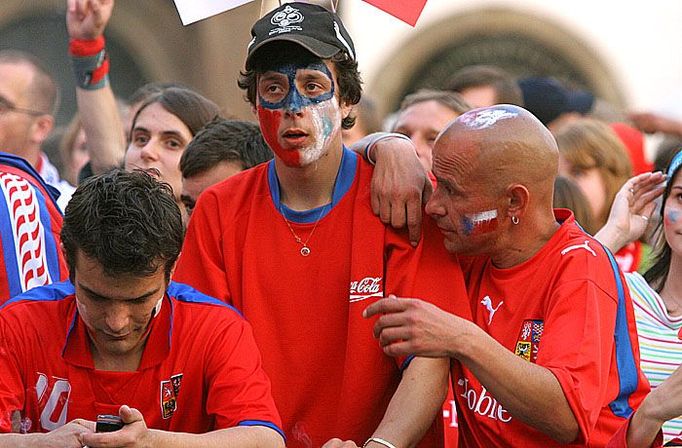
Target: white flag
[[194, 10]]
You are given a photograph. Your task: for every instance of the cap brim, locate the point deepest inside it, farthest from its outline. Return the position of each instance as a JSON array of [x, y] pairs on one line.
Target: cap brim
[[316, 47]]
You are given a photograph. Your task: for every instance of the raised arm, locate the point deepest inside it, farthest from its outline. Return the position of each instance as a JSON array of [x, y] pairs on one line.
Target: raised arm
[[400, 185], [632, 207], [85, 22]]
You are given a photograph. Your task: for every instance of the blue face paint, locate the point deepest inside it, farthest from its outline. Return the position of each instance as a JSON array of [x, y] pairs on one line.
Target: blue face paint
[[295, 101]]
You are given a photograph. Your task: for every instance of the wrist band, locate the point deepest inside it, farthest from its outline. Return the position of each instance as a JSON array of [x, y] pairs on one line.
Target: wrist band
[[380, 441], [90, 63], [379, 136]]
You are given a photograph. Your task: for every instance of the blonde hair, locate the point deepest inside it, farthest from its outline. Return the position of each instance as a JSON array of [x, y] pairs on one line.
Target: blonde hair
[[587, 143]]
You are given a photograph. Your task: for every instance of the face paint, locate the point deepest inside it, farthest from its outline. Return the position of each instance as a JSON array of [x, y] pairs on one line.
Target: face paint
[[479, 223], [484, 118], [672, 216], [320, 115]]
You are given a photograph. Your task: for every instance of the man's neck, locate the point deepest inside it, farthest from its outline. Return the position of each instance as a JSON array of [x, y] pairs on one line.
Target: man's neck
[[124, 363], [310, 186]]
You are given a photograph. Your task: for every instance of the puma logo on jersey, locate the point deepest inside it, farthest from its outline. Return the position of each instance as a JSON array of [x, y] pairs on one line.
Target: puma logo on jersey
[[585, 246], [488, 304]]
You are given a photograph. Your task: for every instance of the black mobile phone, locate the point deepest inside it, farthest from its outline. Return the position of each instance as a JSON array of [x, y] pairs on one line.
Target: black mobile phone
[[108, 423]]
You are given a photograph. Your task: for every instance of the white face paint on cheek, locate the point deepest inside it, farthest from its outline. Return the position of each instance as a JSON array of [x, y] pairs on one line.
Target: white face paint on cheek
[[326, 117]]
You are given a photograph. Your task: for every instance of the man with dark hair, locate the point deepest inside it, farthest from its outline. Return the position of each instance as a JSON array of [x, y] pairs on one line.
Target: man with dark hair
[[294, 244], [485, 85], [179, 368], [220, 150], [28, 101], [30, 222], [424, 114]]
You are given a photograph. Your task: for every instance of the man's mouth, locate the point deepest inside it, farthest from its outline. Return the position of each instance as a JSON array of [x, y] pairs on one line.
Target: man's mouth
[[293, 135]]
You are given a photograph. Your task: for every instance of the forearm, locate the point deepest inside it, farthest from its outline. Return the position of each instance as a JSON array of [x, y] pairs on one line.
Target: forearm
[[643, 428], [238, 436], [102, 126], [22, 441], [415, 403], [612, 237], [529, 392]]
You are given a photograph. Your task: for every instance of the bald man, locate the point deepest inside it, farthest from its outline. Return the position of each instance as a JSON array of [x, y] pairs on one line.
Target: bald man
[[551, 355]]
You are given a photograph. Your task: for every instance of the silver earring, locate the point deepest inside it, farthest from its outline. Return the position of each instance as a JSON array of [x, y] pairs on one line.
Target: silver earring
[[515, 220]]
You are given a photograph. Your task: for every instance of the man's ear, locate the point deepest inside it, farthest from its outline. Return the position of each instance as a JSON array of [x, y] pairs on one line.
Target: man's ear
[[518, 197], [41, 128], [346, 109]]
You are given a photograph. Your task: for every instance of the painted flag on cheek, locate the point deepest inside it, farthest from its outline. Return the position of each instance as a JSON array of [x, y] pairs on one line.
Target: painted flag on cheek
[[480, 223], [406, 10]]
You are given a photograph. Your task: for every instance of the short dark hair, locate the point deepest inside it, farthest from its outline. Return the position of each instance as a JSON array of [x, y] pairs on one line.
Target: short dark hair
[[127, 221], [507, 90], [193, 109], [44, 92], [224, 140], [451, 100], [279, 53]]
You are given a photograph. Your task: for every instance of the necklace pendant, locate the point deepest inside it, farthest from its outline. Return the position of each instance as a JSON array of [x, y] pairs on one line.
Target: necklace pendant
[[305, 251]]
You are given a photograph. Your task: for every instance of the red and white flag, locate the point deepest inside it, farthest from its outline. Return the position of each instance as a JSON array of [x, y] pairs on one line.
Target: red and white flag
[[406, 10]]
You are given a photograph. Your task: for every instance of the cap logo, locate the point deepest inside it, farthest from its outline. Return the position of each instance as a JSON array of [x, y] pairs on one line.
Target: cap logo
[[285, 21], [339, 36]]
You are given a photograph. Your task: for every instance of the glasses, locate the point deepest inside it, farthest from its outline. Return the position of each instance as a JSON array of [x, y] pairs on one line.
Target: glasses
[[7, 106]]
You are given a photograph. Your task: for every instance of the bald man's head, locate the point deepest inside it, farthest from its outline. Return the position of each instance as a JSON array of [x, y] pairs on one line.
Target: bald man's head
[[495, 168], [503, 144]]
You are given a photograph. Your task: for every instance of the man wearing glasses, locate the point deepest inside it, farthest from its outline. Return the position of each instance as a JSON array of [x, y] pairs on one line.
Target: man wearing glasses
[[28, 99]]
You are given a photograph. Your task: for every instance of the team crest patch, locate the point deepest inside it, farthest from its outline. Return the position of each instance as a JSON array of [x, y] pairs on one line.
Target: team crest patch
[[528, 344], [170, 389]]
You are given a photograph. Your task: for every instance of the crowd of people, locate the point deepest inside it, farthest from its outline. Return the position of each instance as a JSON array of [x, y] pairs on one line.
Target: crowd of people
[[467, 278]]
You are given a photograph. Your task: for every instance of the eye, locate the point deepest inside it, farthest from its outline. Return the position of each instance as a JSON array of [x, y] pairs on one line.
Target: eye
[[175, 144], [140, 139]]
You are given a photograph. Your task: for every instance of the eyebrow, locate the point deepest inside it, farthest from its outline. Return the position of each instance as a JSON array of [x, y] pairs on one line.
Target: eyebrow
[[187, 200], [164, 133], [96, 295]]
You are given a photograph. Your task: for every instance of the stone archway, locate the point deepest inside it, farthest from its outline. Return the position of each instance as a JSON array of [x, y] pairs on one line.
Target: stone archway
[[521, 43]]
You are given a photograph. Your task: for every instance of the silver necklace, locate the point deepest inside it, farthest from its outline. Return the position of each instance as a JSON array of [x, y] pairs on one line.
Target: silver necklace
[[305, 249]]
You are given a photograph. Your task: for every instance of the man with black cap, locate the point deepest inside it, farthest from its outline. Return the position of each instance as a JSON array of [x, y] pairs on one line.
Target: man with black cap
[[295, 246]]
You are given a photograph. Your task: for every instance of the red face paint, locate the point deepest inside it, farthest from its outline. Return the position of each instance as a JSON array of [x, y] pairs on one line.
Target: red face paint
[[480, 223], [270, 121]]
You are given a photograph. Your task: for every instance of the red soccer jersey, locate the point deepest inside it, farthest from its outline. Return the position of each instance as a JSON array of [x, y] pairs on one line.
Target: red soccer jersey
[[619, 440], [564, 310], [200, 370], [30, 222], [330, 377]]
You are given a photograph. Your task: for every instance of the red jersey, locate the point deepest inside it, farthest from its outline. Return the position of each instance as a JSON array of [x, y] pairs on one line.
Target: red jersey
[[30, 222], [329, 375], [565, 309], [200, 369]]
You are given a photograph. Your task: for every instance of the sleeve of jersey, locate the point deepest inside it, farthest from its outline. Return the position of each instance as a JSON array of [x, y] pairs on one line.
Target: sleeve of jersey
[[619, 439], [201, 263], [240, 392], [427, 272], [577, 347], [11, 387]]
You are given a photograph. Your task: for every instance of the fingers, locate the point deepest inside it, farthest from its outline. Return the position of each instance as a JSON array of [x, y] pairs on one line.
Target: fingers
[[414, 221], [383, 306], [129, 415]]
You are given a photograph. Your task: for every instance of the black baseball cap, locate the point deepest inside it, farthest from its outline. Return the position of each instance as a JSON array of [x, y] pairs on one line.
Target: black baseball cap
[[313, 27]]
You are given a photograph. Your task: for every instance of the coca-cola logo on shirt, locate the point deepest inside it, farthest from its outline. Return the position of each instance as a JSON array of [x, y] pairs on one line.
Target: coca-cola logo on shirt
[[365, 288]]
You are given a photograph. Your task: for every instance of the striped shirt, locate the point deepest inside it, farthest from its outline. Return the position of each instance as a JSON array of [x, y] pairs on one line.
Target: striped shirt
[[659, 344]]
